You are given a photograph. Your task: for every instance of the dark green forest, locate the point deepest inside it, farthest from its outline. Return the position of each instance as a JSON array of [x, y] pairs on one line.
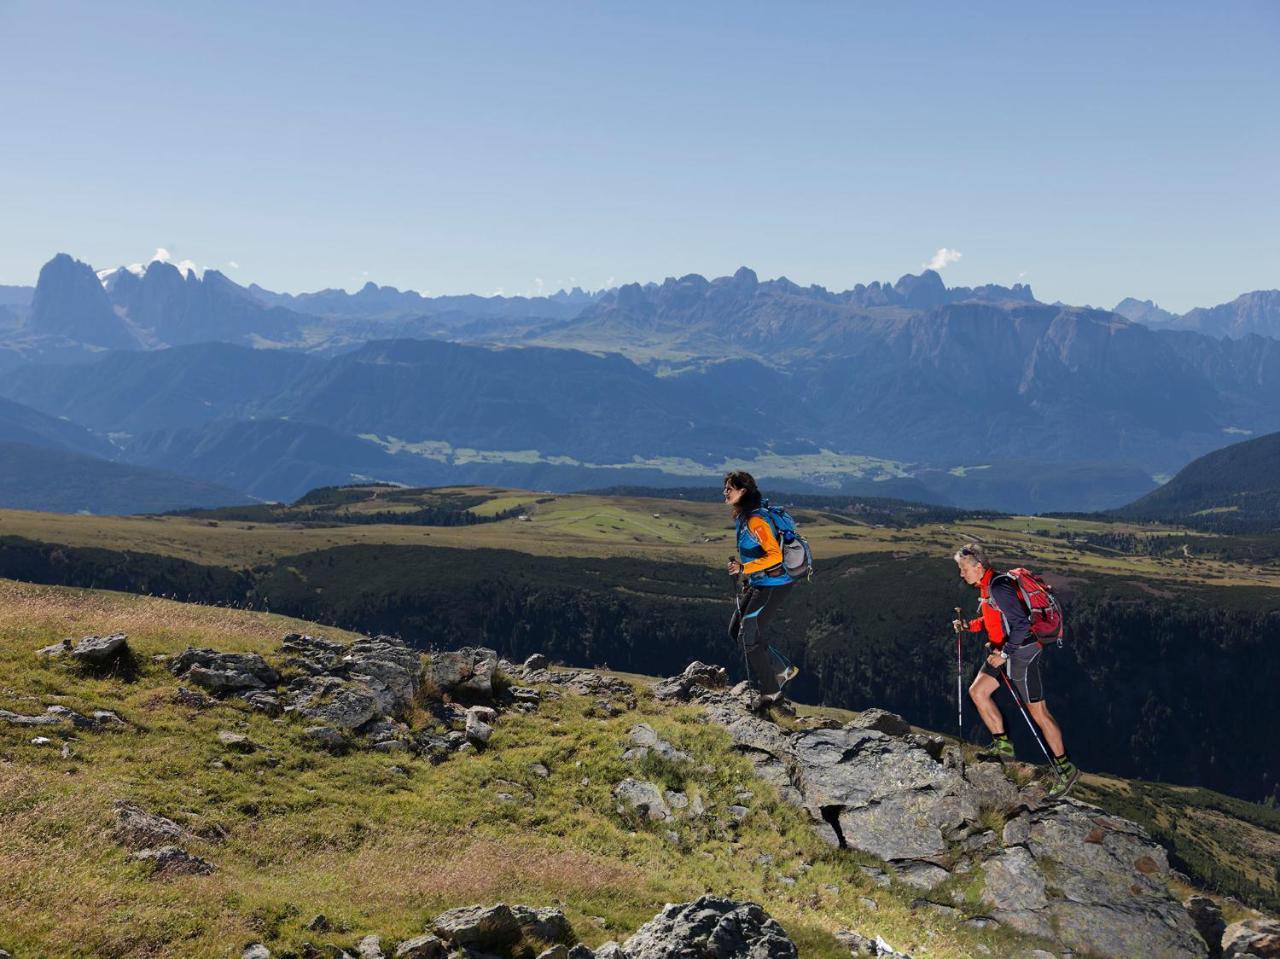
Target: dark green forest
[[1169, 687]]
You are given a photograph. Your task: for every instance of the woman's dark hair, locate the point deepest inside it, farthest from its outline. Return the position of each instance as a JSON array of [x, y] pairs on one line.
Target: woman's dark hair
[[751, 497]]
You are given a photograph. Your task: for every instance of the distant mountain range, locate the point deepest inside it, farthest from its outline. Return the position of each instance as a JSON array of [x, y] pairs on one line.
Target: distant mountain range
[[1256, 313], [979, 397]]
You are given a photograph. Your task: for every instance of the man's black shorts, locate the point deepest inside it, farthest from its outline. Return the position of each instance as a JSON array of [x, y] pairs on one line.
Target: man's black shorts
[[1024, 669]]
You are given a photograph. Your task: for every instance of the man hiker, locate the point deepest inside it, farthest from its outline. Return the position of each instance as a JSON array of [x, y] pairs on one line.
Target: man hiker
[[764, 590], [1015, 650]]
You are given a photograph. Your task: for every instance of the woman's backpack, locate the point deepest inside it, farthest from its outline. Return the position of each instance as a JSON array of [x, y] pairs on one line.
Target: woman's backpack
[[797, 558]]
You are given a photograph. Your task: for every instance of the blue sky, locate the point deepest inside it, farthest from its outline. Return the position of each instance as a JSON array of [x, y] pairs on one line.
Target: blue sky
[[1092, 150]]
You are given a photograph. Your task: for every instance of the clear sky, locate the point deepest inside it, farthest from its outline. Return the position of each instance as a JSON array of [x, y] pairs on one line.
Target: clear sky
[[1094, 150]]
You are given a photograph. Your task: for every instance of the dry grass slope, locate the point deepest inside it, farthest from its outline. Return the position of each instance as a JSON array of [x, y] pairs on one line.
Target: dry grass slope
[[375, 842]]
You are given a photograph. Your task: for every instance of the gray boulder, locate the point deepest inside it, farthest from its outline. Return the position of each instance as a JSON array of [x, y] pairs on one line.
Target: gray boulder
[[17, 719], [173, 861], [465, 674], [711, 928], [488, 928], [536, 662], [1064, 871], [422, 947], [370, 947], [548, 925], [139, 829], [695, 675], [255, 950], [644, 741], [100, 650], [55, 650], [330, 701], [223, 673], [478, 731], [1252, 937], [882, 721], [643, 798]]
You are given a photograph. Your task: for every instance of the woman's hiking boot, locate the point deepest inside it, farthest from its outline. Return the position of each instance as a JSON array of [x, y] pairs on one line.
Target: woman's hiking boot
[[1066, 773], [1001, 748]]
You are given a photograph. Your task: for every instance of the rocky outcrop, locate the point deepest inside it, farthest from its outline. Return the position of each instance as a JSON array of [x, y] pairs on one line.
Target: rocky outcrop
[[98, 651], [223, 673], [1064, 871], [173, 861], [465, 674], [1252, 937], [138, 829], [710, 928], [695, 674]]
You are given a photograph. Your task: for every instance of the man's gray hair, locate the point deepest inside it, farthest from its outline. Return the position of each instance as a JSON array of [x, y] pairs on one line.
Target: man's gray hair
[[975, 552]]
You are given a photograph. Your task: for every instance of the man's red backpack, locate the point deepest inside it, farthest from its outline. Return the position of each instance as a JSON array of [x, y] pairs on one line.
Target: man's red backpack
[[1043, 609]]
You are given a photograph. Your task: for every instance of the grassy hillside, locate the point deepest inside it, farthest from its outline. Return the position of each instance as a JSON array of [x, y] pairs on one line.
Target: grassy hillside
[[1231, 490], [375, 842], [638, 583], [601, 526]]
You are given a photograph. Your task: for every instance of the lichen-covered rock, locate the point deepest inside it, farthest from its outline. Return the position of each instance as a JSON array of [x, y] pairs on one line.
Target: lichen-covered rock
[[549, 925], [370, 947], [138, 829], [331, 701], [173, 861], [880, 720], [465, 674], [223, 673], [18, 719], [1252, 937], [643, 798], [486, 928], [100, 650], [711, 928], [478, 731], [696, 674], [422, 947], [644, 741], [1064, 871]]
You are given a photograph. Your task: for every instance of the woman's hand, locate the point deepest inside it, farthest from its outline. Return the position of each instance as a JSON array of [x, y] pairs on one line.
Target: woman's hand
[[996, 660], [734, 567]]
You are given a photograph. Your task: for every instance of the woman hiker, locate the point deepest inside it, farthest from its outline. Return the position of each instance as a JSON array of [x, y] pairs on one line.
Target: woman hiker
[[1014, 649], [765, 586]]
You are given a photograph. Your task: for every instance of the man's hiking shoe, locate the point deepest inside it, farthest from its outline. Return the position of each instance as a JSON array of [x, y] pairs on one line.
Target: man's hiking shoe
[[1001, 749], [1066, 774], [788, 674]]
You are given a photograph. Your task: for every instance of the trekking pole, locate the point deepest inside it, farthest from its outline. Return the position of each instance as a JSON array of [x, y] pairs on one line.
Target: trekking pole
[[959, 685], [737, 603], [1013, 690]]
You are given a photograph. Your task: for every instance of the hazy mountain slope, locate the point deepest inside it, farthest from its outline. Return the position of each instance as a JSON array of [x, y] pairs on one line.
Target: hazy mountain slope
[[1235, 489], [22, 424], [39, 478], [161, 389]]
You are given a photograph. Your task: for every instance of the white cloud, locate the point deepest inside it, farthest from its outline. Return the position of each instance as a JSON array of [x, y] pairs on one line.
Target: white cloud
[[943, 258], [537, 284], [233, 264]]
